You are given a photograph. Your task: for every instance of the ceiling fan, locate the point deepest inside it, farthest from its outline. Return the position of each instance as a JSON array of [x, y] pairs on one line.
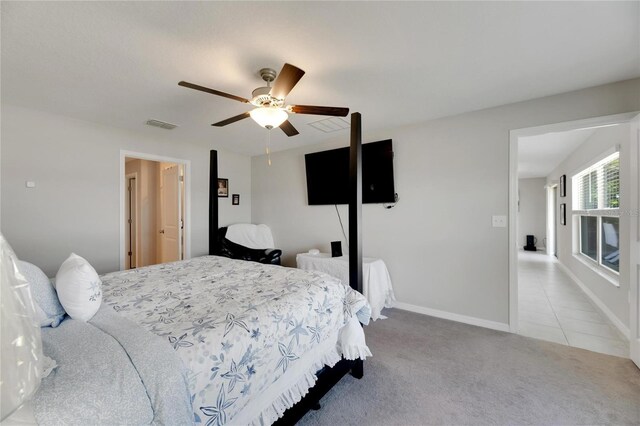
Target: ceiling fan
[[270, 109]]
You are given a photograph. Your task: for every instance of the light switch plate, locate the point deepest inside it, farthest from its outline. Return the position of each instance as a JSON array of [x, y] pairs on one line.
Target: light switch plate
[[499, 221], [30, 184]]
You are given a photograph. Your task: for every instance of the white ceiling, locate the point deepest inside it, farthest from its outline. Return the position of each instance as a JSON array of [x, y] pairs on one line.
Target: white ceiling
[[119, 63], [539, 155]]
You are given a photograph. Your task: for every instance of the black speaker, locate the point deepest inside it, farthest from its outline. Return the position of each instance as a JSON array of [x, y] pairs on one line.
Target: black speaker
[[336, 248], [531, 243]]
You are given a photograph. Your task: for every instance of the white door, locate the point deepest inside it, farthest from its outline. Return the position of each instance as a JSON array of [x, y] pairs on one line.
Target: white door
[[170, 214], [634, 279]]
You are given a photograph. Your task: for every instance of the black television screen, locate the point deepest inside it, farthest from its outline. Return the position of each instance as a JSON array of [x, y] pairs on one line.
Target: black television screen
[[328, 175]]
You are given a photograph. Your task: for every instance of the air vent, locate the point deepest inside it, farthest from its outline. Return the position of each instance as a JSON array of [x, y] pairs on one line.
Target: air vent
[[161, 124], [329, 125]]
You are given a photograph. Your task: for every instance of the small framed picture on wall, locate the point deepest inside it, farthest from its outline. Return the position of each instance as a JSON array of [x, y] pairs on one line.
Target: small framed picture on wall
[[563, 214], [223, 188], [235, 199], [563, 185]]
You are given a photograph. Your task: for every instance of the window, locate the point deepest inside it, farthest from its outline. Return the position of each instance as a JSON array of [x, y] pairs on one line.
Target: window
[[588, 236], [596, 204]]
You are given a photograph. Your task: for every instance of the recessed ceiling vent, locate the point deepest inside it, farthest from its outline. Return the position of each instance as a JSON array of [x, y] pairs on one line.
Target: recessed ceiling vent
[[161, 124], [329, 125]]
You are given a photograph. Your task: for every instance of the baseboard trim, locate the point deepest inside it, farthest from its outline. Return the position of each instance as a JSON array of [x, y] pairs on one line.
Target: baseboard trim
[[451, 316], [599, 304]]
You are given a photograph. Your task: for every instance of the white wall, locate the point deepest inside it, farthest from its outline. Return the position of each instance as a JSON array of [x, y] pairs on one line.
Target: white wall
[[532, 212], [452, 175], [614, 298], [76, 203]]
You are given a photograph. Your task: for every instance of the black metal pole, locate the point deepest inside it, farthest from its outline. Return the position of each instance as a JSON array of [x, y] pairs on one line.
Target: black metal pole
[[213, 201], [355, 218], [355, 204]]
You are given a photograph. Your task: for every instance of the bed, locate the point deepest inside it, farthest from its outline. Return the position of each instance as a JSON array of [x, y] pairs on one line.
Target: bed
[[209, 340], [252, 336]]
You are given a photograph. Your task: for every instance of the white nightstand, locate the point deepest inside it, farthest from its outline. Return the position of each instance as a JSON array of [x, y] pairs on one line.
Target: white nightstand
[[376, 281]]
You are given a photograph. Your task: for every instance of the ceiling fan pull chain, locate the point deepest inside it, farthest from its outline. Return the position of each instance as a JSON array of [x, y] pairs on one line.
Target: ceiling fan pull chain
[[267, 150]]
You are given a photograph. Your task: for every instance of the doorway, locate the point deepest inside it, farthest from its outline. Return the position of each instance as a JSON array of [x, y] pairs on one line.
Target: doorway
[[155, 210], [556, 291], [552, 222]]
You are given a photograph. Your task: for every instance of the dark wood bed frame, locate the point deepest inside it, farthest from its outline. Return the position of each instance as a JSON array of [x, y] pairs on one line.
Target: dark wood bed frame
[[327, 377]]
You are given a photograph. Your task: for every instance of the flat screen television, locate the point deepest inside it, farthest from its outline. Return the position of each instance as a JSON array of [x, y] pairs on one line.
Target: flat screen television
[[328, 175]]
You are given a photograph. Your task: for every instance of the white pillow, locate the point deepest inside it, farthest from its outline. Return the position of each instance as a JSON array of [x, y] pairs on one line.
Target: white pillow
[[79, 288], [49, 311]]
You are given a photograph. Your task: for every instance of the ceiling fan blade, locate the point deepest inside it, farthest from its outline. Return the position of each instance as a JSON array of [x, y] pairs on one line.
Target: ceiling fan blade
[[286, 80], [288, 128], [231, 120], [213, 91], [319, 110]]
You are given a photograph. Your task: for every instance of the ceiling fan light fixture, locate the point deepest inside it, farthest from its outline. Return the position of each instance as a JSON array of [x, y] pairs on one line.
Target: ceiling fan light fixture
[[269, 117]]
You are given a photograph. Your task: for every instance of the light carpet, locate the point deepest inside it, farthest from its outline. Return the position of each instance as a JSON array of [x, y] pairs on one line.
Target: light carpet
[[427, 370]]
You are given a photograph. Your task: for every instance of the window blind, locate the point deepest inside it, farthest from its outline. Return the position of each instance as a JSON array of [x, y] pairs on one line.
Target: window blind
[[598, 186]]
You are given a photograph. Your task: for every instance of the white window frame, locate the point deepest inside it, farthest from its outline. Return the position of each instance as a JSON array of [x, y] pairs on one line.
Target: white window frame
[[610, 274], [578, 251]]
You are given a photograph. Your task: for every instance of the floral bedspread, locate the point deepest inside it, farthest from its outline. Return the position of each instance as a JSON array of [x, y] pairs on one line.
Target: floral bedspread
[[236, 325]]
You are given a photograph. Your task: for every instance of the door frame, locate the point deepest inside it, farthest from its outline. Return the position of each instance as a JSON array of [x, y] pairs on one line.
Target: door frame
[[187, 198], [514, 135], [634, 254], [135, 247], [552, 222]]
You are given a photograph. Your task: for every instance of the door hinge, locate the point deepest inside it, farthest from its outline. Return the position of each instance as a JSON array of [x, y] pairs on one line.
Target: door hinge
[[130, 253], [129, 221], [181, 178]]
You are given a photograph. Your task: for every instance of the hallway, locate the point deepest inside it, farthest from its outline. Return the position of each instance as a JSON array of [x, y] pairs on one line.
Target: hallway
[[552, 307]]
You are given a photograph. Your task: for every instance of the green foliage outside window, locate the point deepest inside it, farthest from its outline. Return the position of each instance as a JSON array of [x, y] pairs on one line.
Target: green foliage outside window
[[612, 184]]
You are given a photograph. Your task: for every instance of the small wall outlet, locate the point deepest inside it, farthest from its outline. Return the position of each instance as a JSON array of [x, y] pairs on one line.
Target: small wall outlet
[[499, 221], [30, 184]]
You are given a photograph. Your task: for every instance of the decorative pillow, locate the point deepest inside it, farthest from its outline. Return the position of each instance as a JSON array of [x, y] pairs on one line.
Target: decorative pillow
[[49, 311], [79, 288], [21, 344]]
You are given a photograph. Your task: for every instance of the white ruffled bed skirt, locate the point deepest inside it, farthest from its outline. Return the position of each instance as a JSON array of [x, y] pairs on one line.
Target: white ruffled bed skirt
[[265, 409]]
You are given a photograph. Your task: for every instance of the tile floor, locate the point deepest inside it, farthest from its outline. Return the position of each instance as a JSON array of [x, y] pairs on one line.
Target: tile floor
[[552, 307]]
